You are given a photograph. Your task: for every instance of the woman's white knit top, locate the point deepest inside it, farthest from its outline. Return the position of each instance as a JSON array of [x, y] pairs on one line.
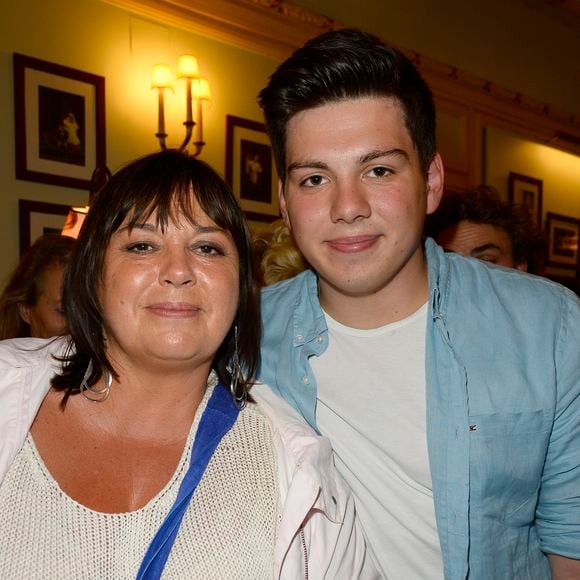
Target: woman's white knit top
[[228, 531]]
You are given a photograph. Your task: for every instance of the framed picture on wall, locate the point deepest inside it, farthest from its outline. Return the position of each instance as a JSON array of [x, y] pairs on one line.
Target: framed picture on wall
[[250, 169], [526, 191], [563, 234], [59, 123], [37, 218]]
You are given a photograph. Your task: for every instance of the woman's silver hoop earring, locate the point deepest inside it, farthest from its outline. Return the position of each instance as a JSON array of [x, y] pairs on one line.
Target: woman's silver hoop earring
[[236, 372], [91, 393]]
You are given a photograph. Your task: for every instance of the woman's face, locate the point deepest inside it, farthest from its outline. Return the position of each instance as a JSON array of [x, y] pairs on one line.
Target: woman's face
[[169, 298], [46, 317]]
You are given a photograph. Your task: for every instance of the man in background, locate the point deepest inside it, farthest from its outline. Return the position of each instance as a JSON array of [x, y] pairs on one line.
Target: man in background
[[449, 390], [478, 224]]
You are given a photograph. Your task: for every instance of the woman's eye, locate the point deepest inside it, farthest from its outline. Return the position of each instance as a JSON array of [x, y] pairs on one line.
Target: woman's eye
[[209, 249], [140, 247]]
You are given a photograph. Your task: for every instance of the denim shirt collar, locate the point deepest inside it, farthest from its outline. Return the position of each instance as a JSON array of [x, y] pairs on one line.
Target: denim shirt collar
[[308, 320]]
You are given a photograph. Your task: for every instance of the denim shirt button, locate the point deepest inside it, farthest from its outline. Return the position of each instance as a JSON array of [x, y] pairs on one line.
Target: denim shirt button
[[306, 380], [299, 337], [319, 339]]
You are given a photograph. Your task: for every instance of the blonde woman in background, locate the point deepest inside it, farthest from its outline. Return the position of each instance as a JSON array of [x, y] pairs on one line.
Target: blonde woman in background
[[31, 304], [277, 255]]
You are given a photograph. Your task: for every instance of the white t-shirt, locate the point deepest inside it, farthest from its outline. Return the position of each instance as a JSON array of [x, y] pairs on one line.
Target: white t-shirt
[[372, 406]]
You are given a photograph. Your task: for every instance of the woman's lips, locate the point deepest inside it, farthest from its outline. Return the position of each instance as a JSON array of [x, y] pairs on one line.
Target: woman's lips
[[173, 309], [352, 244]]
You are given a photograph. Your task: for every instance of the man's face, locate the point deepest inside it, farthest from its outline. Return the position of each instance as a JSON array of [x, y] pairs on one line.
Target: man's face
[[355, 197], [483, 241]]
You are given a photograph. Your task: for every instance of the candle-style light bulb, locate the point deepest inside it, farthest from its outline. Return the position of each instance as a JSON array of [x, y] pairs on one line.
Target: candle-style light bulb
[[187, 67], [161, 79]]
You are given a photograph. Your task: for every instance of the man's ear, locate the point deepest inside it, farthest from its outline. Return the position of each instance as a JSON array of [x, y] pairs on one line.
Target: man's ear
[[24, 311], [282, 202], [435, 175]]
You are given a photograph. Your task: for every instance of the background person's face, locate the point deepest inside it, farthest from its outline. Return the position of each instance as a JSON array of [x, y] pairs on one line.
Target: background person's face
[[355, 196], [46, 317], [482, 241], [169, 298]]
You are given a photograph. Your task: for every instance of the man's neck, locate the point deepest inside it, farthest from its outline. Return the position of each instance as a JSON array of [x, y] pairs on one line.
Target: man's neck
[[396, 300]]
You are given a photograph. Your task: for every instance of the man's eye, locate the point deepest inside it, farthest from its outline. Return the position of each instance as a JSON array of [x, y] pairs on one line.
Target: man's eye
[[492, 259], [380, 171], [313, 181]]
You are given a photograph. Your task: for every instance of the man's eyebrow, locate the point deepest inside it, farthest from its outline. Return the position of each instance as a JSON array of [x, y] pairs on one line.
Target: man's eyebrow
[[379, 153], [370, 156], [306, 164], [484, 248]]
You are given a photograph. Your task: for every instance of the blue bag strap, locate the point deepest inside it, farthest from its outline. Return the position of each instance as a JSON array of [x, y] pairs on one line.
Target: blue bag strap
[[217, 419]]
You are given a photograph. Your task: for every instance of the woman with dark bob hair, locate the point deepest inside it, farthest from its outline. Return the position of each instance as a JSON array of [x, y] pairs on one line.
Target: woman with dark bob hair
[[133, 449]]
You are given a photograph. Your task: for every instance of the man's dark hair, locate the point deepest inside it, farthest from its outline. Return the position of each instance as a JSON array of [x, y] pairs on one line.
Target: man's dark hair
[[483, 205], [343, 65]]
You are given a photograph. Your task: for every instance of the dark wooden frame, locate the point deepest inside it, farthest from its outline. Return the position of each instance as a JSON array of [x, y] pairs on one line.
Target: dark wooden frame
[[254, 132], [573, 225], [30, 73], [25, 210], [516, 183]]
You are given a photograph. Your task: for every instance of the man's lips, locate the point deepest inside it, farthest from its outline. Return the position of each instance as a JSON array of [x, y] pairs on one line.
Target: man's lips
[[353, 244], [173, 309]]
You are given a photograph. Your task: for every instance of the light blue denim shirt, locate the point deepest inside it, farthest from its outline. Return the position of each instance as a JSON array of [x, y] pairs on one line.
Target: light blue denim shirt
[[503, 408]]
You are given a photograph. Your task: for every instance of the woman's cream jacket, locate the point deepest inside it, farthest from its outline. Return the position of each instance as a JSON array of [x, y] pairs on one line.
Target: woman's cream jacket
[[319, 535]]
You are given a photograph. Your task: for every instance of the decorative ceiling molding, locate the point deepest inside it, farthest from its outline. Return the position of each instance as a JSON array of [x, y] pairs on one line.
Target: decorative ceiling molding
[[571, 7], [277, 27]]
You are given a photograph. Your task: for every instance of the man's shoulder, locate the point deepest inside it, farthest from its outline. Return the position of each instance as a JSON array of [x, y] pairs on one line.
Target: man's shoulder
[[295, 296], [289, 289], [513, 286]]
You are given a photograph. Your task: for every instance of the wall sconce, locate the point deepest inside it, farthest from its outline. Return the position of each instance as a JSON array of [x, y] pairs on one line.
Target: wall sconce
[[197, 89]]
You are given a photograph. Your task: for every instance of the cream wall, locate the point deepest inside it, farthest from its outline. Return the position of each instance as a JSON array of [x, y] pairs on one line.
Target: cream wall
[[526, 46], [99, 38], [559, 171]]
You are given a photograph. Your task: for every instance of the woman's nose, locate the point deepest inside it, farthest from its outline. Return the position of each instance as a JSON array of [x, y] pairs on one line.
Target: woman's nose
[[177, 268]]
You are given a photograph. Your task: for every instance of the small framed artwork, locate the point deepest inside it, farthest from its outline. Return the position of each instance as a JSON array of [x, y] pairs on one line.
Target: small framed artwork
[[250, 169], [526, 191], [37, 218], [59, 123], [563, 234]]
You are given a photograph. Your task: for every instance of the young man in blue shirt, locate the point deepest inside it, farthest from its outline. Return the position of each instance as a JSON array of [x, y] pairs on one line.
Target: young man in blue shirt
[[450, 389]]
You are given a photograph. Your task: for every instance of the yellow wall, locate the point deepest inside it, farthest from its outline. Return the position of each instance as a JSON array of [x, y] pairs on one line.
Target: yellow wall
[[559, 171], [96, 37]]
